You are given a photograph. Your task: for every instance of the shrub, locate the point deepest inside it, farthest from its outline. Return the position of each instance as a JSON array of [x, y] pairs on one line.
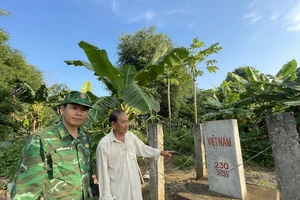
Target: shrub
[[254, 143], [181, 140], [10, 158], [183, 162]]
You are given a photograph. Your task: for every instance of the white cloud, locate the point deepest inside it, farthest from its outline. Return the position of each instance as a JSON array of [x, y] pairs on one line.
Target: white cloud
[[133, 11], [157, 17], [175, 11], [147, 15], [251, 5], [252, 17], [293, 19], [249, 15], [191, 24], [255, 19], [274, 17], [114, 6]]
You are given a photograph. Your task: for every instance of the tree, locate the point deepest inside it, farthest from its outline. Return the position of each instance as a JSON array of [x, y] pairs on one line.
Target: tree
[[3, 13], [241, 71], [270, 94], [13, 69], [56, 88], [258, 93], [138, 49], [224, 104], [197, 55], [172, 88], [174, 70]]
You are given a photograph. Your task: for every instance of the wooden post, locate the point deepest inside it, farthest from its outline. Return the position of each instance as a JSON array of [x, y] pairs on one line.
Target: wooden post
[[157, 181], [199, 151], [286, 149]]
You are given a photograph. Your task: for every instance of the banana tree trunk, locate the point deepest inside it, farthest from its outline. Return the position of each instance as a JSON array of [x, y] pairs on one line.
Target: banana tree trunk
[[34, 121]]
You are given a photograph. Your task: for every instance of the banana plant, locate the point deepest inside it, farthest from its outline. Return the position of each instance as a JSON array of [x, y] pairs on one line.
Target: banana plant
[[36, 98], [126, 83], [225, 106], [271, 93]]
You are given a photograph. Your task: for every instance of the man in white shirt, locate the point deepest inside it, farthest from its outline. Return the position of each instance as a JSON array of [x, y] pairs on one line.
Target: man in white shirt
[[117, 166]]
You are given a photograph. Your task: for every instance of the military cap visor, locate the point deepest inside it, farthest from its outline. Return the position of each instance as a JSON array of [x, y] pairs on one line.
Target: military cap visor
[[78, 98]]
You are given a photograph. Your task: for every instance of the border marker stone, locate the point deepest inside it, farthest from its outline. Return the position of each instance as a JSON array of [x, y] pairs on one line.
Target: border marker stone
[[223, 155]]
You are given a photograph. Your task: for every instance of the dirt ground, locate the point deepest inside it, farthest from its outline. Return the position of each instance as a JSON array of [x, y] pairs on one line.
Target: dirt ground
[[177, 181]]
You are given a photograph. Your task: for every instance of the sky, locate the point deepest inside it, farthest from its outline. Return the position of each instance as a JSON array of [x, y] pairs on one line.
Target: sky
[[264, 34]]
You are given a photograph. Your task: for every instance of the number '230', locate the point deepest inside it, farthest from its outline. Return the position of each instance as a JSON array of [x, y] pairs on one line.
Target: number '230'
[[221, 165]]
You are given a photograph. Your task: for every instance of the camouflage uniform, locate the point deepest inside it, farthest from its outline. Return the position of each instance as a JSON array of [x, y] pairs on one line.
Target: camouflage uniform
[[54, 165]]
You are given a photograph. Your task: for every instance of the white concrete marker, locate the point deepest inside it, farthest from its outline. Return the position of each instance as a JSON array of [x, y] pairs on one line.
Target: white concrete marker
[[223, 153]]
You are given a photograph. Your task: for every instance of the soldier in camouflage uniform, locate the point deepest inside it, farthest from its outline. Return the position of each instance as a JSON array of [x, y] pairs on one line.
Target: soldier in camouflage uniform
[[56, 162]]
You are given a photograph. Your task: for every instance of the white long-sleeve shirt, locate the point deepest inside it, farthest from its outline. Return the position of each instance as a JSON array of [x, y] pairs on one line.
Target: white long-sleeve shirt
[[117, 166]]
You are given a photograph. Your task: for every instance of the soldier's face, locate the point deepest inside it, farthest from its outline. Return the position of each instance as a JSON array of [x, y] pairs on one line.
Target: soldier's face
[[122, 124], [74, 115]]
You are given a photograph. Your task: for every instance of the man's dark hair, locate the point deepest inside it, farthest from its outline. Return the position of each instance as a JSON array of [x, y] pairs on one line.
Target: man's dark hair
[[114, 115]]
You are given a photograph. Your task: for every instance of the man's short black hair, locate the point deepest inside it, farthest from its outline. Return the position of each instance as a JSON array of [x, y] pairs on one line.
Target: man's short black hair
[[114, 115]]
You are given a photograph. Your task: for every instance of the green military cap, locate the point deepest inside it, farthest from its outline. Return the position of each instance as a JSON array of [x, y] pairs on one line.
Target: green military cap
[[78, 98]]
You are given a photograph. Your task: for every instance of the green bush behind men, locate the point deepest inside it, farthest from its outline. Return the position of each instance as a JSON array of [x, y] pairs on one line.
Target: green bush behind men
[[56, 161]]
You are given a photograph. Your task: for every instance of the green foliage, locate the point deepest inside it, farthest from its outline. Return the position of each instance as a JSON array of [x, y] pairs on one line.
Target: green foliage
[[37, 102], [57, 88], [223, 104], [151, 54], [196, 55], [9, 159], [96, 134], [252, 144], [182, 139], [99, 111], [183, 162], [288, 70], [26, 94], [138, 49], [132, 94], [240, 71], [49, 115], [3, 13], [166, 62], [249, 97], [13, 69]]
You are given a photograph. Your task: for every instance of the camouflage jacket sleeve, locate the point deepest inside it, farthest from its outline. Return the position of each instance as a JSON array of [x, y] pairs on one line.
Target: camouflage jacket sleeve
[[31, 171], [92, 172]]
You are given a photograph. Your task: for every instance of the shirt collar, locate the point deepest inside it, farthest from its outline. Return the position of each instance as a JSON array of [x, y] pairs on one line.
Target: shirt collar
[[63, 132], [112, 136]]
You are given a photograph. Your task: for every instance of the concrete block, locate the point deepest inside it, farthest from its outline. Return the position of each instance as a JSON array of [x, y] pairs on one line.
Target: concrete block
[[157, 179], [224, 158], [286, 149]]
